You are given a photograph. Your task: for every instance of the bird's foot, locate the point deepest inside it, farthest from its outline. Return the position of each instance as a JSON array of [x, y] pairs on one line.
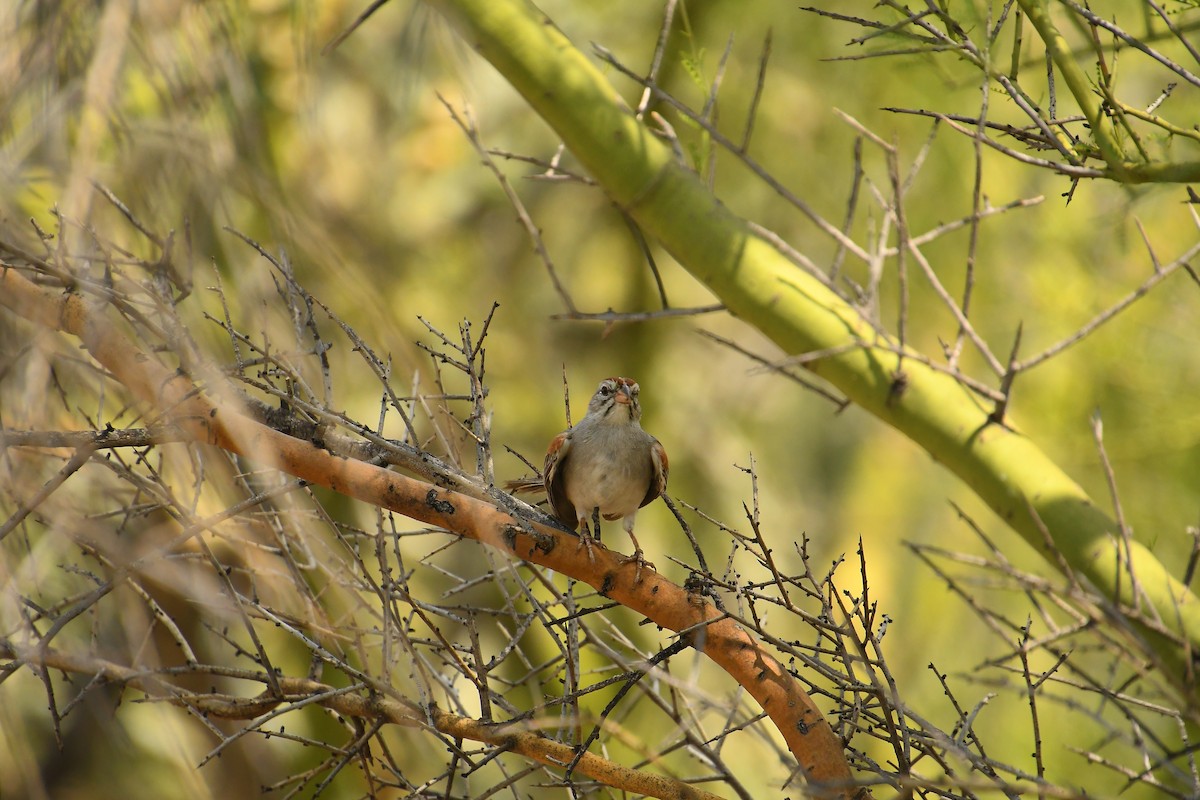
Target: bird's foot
[[588, 543], [641, 562]]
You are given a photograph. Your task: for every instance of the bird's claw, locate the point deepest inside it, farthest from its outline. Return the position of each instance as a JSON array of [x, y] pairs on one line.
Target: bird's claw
[[641, 562], [587, 542]]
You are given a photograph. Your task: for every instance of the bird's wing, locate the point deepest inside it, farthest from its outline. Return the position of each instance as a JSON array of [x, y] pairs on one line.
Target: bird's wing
[[552, 472], [658, 479]]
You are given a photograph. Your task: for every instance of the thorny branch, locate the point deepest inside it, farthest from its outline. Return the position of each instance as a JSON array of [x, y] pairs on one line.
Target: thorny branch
[[1092, 144], [245, 427]]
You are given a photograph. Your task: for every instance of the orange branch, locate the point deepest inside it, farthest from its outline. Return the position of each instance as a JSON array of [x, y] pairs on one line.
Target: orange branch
[[807, 734]]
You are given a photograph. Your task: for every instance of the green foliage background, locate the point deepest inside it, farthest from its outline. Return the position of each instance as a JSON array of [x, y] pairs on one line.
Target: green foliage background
[[228, 114]]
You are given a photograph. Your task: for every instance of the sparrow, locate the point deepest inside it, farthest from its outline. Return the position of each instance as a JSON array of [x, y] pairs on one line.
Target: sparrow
[[606, 466]]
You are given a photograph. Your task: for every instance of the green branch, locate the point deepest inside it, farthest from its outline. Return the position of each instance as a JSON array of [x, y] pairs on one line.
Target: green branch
[[1077, 84], [758, 284]]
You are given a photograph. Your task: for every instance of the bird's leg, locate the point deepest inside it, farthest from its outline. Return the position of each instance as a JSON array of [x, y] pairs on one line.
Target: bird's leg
[[585, 535], [596, 523], [637, 556]]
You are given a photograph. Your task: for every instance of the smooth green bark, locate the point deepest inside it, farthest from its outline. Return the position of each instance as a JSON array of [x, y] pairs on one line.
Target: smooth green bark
[[1007, 470]]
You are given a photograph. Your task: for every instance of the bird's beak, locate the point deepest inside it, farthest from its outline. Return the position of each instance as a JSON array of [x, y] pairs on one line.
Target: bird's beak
[[622, 395]]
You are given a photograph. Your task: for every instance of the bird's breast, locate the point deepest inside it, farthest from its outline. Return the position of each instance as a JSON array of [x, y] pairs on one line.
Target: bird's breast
[[615, 479]]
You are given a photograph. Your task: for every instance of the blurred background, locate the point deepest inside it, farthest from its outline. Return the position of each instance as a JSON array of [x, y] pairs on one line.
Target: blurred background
[[206, 115]]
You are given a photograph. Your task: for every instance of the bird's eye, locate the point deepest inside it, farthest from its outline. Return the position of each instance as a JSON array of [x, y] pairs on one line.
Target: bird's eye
[[605, 390]]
